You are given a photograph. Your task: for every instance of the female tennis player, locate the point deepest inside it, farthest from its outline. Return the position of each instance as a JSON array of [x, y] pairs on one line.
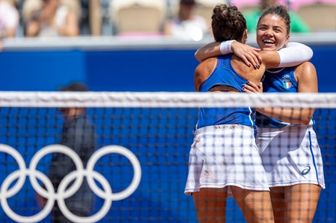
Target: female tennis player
[[290, 152], [289, 147], [224, 158]]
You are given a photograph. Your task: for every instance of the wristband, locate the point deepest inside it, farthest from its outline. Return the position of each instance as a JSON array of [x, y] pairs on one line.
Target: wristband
[[225, 47]]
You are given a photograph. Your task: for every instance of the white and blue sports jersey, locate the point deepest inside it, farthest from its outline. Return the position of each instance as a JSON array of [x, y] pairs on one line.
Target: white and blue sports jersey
[[224, 75], [274, 82], [280, 81]]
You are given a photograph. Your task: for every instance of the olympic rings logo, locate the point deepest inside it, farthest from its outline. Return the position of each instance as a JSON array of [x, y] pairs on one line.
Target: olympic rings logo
[[62, 192]]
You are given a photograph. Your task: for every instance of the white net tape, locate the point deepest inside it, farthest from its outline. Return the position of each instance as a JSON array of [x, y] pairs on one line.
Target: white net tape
[[165, 99]]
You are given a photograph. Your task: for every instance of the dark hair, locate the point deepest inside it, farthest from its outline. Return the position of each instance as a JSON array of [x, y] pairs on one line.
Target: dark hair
[[280, 11], [75, 86], [228, 23]]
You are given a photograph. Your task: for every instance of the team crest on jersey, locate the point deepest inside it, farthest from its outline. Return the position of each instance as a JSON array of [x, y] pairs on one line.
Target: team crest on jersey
[[286, 81]]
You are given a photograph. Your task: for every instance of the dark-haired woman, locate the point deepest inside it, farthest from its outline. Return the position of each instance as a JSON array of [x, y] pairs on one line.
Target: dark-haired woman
[[288, 144], [224, 158]]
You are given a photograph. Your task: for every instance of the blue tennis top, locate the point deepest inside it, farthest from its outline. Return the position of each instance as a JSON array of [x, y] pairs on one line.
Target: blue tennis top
[[282, 81], [224, 75]]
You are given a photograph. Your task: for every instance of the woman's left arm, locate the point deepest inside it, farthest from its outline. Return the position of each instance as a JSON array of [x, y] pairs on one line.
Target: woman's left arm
[[306, 77]]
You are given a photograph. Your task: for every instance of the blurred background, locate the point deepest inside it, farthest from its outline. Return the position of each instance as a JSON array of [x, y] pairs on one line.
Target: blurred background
[[145, 45], [113, 45]]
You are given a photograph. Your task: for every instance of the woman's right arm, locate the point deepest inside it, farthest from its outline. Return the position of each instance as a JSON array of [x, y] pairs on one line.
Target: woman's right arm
[[307, 83], [292, 55], [247, 53]]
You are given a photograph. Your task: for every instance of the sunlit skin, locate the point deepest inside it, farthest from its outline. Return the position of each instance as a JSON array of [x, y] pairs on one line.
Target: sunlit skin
[[296, 203], [272, 33]]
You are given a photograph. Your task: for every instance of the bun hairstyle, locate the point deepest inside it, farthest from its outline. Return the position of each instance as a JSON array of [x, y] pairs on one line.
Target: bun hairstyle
[[228, 23]]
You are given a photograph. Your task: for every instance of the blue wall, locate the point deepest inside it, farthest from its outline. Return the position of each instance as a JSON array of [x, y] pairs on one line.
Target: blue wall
[[143, 70], [123, 70]]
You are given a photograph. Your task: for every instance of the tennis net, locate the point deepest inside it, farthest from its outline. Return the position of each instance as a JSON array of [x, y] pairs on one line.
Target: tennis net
[[123, 156]]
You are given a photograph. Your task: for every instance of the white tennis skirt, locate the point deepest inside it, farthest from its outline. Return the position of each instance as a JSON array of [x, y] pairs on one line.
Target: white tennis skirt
[[291, 155], [225, 155]]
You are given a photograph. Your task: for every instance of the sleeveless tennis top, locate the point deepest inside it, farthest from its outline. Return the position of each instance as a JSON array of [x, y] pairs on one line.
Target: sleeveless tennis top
[[224, 75], [282, 81]]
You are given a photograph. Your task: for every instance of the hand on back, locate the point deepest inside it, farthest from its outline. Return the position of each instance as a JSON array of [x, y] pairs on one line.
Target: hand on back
[[250, 55], [251, 87]]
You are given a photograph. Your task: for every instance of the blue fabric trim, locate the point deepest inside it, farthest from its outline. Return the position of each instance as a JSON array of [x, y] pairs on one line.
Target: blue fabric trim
[[312, 154]]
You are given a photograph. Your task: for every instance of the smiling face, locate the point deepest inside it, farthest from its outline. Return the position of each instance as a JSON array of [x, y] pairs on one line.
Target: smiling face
[[272, 32]]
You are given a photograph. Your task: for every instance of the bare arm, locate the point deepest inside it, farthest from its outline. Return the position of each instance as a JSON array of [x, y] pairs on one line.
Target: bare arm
[[271, 59], [245, 52], [207, 51], [307, 82], [292, 55]]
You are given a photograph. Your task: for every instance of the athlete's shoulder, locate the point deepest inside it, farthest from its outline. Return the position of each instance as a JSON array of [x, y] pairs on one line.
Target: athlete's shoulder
[[305, 69], [306, 76], [206, 64], [204, 70]]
